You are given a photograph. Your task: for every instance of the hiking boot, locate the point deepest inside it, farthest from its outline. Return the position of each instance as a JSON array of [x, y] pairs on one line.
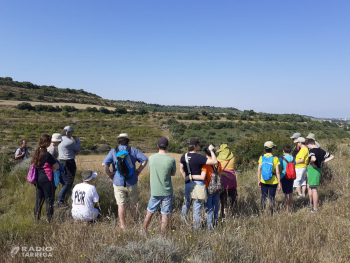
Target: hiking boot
[[61, 204], [309, 205], [313, 210]]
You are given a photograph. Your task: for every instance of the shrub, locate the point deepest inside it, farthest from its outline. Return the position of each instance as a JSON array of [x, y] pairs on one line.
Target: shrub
[[250, 149], [24, 106], [104, 110], [68, 108]]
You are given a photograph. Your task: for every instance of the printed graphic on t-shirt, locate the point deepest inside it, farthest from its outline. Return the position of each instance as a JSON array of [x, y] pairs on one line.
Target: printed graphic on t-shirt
[[79, 197]]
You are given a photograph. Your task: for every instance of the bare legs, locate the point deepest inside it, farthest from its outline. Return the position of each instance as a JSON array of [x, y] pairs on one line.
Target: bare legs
[[289, 198], [121, 214], [148, 219], [314, 198]]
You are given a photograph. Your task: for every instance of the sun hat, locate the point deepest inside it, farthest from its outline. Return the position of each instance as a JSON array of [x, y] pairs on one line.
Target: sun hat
[[296, 135], [224, 153], [163, 141], [56, 137], [300, 139], [269, 144], [88, 175], [311, 136], [68, 128], [123, 135]]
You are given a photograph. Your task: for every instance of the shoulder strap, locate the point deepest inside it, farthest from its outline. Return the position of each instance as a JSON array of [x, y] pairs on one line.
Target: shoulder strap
[[128, 149], [215, 168], [188, 167], [284, 159], [227, 164]]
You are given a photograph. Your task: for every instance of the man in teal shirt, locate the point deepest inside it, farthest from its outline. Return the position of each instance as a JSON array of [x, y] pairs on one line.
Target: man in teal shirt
[[162, 167]]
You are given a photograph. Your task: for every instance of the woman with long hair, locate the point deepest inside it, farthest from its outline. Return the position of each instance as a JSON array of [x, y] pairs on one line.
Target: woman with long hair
[[45, 185]]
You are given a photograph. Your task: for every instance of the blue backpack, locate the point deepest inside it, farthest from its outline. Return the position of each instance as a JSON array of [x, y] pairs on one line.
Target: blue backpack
[[124, 165], [266, 167]]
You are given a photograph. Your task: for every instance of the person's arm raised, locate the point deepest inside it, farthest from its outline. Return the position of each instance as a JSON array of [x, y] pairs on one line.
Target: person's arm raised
[[213, 159]]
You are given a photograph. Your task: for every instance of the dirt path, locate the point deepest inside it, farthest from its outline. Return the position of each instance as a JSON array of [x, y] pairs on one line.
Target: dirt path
[[94, 162]]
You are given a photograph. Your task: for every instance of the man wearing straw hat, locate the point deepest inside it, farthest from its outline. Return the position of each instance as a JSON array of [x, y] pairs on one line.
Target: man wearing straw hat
[[125, 190]]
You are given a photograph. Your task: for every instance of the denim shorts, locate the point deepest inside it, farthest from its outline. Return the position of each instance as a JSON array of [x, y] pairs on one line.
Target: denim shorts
[[166, 203]]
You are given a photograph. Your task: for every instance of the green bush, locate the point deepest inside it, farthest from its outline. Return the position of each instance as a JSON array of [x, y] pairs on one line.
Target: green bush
[[248, 150], [24, 106]]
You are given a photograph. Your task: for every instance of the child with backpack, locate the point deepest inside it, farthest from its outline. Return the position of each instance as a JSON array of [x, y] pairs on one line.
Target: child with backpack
[[287, 171], [268, 176]]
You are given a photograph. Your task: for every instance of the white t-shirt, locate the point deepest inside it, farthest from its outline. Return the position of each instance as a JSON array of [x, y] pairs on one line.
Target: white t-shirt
[[84, 196]]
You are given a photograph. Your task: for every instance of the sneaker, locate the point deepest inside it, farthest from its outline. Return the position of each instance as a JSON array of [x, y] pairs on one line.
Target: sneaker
[[313, 210], [309, 205], [61, 204]]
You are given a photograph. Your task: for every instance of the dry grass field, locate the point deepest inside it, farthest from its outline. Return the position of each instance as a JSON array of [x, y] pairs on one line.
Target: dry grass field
[[94, 162], [14, 103]]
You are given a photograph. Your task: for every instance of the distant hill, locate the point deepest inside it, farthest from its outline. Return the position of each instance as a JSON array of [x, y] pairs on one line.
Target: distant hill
[[27, 91]]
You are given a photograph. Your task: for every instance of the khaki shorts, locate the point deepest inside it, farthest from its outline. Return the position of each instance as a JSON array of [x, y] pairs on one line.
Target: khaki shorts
[[126, 195]]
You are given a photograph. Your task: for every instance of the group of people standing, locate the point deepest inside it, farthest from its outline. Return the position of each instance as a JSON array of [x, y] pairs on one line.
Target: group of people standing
[[306, 160], [197, 171], [51, 171]]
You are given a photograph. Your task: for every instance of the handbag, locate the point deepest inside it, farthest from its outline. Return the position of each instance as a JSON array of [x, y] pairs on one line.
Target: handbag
[[199, 192], [229, 183]]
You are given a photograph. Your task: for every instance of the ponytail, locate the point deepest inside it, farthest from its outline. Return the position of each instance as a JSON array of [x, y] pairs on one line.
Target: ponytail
[[44, 142]]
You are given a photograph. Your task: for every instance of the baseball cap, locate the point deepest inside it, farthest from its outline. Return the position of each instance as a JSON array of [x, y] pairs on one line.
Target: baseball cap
[[194, 141], [300, 139], [56, 137], [88, 175], [163, 141], [269, 144], [123, 135], [311, 136], [295, 135], [68, 128]]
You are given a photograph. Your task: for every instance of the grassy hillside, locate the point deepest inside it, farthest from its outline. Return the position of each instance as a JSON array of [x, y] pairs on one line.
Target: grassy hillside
[[27, 91]]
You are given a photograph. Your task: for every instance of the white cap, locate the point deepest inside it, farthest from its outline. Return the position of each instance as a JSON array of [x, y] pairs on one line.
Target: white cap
[[123, 135], [296, 135], [88, 175], [68, 128], [300, 139], [56, 137]]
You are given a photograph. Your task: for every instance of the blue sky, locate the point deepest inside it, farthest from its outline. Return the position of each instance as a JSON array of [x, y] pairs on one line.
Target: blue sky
[[289, 56]]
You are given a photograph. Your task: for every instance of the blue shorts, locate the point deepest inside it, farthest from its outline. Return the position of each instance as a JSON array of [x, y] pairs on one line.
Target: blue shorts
[[287, 185], [165, 201]]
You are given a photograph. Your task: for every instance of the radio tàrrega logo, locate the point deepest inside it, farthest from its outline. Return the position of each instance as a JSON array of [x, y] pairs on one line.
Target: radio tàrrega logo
[[14, 251]]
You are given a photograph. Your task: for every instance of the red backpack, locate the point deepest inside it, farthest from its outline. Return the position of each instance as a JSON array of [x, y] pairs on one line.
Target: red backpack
[[290, 169]]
